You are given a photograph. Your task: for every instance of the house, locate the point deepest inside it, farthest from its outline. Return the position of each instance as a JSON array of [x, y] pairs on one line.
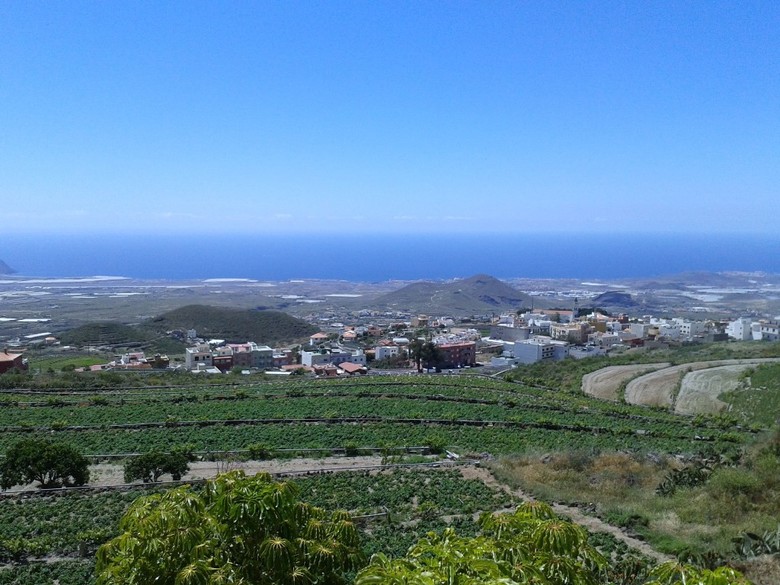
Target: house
[[384, 352], [740, 329], [222, 358], [12, 361], [196, 357], [572, 332], [535, 350], [333, 355], [327, 370], [352, 369], [420, 321], [318, 338], [251, 355], [349, 335], [457, 355]]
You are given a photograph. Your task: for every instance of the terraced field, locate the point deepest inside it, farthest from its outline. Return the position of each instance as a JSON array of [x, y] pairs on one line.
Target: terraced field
[[465, 414], [691, 388], [607, 383]]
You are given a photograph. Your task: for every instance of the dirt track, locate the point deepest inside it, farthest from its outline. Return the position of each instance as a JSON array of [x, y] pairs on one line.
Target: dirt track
[[574, 514]]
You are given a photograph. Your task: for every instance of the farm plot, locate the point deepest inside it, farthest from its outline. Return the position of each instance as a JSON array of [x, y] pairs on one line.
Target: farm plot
[[660, 388], [700, 390], [64, 530], [606, 383], [474, 414]]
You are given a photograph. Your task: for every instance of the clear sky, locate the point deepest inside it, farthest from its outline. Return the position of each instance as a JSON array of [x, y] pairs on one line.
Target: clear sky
[[214, 117]]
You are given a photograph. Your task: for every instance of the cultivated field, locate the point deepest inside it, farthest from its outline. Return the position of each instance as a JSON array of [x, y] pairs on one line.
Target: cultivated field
[[660, 388], [607, 383], [303, 426], [700, 390]]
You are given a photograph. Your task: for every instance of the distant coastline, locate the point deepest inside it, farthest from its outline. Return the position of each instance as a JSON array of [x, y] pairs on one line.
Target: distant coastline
[[382, 257]]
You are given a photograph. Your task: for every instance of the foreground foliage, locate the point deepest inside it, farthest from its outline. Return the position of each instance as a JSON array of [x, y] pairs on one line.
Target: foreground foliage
[[703, 508], [530, 546], [238, 529]]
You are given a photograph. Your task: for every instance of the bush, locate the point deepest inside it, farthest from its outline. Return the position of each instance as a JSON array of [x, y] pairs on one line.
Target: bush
[[149, 467], [727, 483], [49, 463]]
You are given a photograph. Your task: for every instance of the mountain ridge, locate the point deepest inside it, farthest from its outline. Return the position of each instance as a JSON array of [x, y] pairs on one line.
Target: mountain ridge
[[5, 269]]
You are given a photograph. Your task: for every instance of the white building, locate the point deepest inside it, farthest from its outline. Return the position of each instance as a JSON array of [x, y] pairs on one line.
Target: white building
[[690, 329], [639, 330], [384, 352], [740, 329], [198, 357], [770, 331], [535, 350], [332, 356]]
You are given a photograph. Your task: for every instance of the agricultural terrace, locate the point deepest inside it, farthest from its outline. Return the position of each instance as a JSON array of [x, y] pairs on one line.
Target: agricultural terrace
[[55, 536], [466, 413], [470, 415]]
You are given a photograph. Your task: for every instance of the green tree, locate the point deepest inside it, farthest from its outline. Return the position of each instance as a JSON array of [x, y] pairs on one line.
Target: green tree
[[530, 546], [49, 463], [237, 529], [416, 353], [431, 355], [673, 573], [149, 467]]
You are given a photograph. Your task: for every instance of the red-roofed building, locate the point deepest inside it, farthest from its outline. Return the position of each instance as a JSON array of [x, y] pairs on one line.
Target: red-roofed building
[[318, 338], [352, 369], [12, 361], [457, 355]]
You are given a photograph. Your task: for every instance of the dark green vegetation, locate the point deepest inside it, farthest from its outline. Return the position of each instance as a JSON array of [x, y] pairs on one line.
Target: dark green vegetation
[[49, 463], [150, 466], [758, 398], [100, 334], [409, 502], [467, 413], [234, 325], [531, 546], [234, 529]]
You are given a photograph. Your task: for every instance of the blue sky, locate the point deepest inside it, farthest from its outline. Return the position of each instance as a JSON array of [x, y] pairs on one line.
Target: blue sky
[[256, 117]]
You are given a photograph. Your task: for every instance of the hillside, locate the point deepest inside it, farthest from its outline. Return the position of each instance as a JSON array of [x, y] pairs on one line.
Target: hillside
[[5, 269], [478, 294], [106, 334], [614, 299], [233, 325]]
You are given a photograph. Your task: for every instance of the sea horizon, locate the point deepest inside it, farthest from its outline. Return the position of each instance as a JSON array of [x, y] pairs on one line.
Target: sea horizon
[[382, 257]]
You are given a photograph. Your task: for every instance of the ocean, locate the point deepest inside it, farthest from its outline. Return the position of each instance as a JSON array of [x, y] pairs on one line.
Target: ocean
[[382, 257]]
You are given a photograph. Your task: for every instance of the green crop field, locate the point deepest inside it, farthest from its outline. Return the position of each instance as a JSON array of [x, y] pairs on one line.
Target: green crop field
[[104, 416]]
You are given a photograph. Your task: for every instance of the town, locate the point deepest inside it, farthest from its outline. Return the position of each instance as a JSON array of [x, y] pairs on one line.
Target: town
[[433, 344]]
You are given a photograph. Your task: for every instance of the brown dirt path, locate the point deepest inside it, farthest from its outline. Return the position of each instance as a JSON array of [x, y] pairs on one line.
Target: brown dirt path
[[574, 514]]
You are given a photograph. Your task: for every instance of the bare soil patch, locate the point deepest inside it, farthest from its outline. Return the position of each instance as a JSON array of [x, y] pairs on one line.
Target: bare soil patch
[[660, 388], [607, 383], [107, 474], [699, 391]]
